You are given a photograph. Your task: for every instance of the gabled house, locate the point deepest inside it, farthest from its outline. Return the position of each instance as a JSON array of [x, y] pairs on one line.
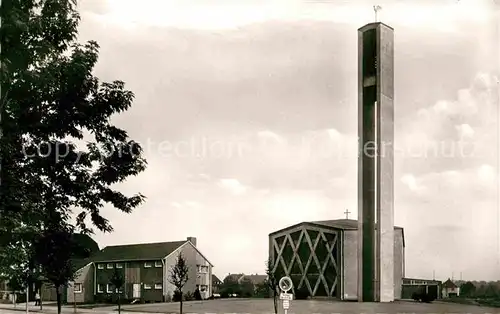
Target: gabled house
[[216, 284], [234, 278], [145, 269], [255, 279], [450, 289]]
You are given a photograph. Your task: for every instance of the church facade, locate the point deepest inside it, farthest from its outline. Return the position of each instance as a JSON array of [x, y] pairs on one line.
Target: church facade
[[321, 257]]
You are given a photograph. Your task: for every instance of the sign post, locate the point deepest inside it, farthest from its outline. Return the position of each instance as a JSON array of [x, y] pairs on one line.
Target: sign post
[[286, 285]]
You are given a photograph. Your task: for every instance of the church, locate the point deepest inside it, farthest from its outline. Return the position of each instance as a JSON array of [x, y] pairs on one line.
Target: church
[[321, 257]]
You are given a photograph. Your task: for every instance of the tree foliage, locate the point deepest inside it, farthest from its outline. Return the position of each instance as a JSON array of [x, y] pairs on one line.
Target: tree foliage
[[117, 280], [272, 283], [179, 276], [50, 102], [467, 289]]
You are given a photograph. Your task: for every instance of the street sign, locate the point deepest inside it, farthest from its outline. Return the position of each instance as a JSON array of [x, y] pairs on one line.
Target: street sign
[[286, 304], [286, 296], [285, 284]]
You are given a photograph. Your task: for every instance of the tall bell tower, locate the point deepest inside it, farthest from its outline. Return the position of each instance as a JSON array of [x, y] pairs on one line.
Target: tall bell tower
[[375, 163]]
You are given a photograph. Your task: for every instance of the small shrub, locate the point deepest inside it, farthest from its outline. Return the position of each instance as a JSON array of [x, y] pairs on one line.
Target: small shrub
[[188, 296], [224, 294], [168, 297], [197, 294], [177, 296]]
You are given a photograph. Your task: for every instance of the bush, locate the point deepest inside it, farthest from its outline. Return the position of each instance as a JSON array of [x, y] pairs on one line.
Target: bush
[[302, 293], [177, 296], [197, 294], [189, 296], [224, 294]]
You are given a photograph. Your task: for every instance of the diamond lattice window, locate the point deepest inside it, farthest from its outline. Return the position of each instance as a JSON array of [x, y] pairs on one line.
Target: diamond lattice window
[[309, 258]]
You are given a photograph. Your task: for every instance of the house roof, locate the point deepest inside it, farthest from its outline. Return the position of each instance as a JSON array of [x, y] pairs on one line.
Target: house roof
[[80, 263], [215, 279], [449, 284], [143, 251], [256, 279], [233, 277]]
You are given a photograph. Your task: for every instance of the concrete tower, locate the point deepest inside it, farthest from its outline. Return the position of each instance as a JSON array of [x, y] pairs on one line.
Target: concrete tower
[[375, 163]]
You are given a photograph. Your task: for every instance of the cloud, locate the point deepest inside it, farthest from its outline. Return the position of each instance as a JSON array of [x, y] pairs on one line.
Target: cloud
[[410, 181], [270, 135], [233, 186], [224, 14], [465, 131]]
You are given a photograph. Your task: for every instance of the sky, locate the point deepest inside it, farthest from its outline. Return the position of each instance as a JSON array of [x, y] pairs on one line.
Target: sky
[[247, 112]]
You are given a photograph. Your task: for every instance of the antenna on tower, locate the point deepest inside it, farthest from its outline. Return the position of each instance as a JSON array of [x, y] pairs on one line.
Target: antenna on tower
[[376, 8]]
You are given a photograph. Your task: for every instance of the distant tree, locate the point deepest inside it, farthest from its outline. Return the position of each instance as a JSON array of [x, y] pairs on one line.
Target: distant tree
[[247, 288], [179, 276], [262, 290], [230, 286], [272, 283], [467, 289], [117, 281], [491, 290], [54, 250]]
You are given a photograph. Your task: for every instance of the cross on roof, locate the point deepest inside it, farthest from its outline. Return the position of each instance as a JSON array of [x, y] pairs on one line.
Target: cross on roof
[[376, 8], [347, 212]]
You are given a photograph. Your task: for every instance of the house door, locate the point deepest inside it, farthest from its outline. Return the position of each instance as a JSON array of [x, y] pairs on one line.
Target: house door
[[136, 291]]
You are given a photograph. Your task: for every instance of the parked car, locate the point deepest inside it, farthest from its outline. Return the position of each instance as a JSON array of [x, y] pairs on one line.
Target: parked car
[[214, 296]]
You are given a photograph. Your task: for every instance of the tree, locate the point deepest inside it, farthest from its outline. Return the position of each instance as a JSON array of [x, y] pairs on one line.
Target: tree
[[467, 289], [54, 250], [179, 276], [230, 286], [247, 288], [272, 283], [51, 99], [117, 281]]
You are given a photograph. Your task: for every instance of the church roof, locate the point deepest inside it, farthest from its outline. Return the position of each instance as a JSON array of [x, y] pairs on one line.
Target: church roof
[[342, 224], [346, 224]]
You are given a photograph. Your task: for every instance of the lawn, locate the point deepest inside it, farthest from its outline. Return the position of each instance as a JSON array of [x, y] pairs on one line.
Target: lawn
[[261, 306]]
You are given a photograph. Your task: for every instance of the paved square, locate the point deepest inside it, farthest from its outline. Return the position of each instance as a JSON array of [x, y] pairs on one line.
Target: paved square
[[265, 306]]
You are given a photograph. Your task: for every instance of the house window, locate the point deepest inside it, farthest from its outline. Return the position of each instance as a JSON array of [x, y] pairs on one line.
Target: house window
[[147, 265], [100, 288], [119, 290], [100, 266], [109, 288], [109, 266], [198, 268], [158, 264], [204, 269], [147, 286], [77, 287], [118, 265], [158, 286]]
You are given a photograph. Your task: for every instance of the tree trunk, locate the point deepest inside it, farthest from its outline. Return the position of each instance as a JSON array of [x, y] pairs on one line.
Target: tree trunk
[[180, 312], [119, 302], [275, 301], [58, 293]]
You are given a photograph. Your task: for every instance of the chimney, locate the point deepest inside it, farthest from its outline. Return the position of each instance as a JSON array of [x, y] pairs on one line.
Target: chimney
[[192, 240]]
